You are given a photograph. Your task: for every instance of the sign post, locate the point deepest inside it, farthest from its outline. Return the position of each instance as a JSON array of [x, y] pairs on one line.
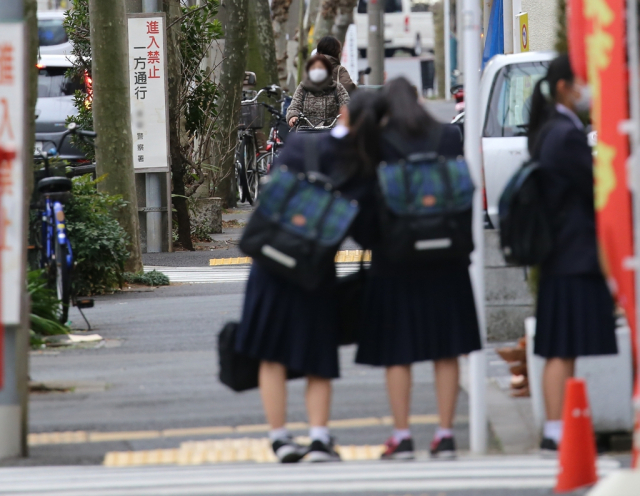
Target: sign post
[[13, 215], [150, 126]]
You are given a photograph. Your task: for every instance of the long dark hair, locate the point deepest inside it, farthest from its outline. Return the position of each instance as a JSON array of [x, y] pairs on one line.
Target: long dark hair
[[543, 100], [330, 46], [366, 110], [406, 115]]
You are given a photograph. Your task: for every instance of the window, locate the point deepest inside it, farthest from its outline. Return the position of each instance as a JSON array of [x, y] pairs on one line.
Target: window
[[51, 32], [510, 101], [52, 82], [392, 6], [420, 5], [362, 6]]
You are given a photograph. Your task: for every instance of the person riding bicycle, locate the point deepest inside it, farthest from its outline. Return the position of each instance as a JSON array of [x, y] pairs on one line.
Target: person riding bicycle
[[318, 97]]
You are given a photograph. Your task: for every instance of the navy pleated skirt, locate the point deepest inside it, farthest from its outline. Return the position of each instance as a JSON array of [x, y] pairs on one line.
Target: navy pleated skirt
[[286, 324], [412, 317], [575, 317]]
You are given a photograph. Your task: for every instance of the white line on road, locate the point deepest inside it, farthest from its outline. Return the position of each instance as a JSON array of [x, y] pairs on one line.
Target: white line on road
[[465, 474]]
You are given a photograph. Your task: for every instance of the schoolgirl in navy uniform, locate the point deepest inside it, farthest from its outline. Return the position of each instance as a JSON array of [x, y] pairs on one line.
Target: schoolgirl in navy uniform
[[420, 312], [575, 311], [293, 331]]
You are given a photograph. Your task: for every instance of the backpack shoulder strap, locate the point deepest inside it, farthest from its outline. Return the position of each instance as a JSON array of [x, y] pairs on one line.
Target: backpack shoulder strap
[[311, 155]]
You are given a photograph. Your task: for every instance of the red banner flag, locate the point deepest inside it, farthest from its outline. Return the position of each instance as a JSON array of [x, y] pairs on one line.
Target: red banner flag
[[605, 47], [575, 37]]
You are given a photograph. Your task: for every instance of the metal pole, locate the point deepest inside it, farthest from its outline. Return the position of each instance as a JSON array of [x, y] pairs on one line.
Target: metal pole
[[633, 166], [14, 344], [472, 152], [375, 50], [460, 38], [153, 184], [447, 50]]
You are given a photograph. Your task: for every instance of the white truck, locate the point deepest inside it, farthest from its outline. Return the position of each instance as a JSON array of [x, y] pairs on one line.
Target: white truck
[[408, 26]]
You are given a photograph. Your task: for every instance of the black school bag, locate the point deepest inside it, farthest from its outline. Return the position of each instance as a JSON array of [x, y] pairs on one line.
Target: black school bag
[[427, 204], [300, 222], [526, 230]]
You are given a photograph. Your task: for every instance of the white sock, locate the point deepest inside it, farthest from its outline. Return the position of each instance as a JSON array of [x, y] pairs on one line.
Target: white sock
[[553, 430], [400, 435], [279, 434], [320, 434], [441, 433]]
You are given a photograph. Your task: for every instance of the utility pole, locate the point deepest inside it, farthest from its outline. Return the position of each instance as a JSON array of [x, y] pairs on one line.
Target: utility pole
[[375, 50], [472, 150], [112, 114], [447, 49], [15, 157]]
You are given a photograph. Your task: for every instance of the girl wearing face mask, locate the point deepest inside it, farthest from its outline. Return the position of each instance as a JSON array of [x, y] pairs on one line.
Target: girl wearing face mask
[[318, 97], [575, 311]]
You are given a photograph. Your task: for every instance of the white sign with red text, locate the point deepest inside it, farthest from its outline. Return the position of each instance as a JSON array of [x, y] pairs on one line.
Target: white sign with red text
[[12, 121], [148, 86], [349, 59]]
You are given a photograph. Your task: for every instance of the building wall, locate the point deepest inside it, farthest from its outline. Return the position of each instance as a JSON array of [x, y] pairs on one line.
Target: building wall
[[542, 23]]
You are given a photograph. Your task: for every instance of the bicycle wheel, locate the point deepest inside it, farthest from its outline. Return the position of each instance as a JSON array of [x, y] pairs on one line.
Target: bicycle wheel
[[63, 279], [264, 163], [251, 170]]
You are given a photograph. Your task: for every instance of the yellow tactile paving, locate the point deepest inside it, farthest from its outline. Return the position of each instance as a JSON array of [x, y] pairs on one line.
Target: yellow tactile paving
[[75, 437], [343, 256], [224, 451]]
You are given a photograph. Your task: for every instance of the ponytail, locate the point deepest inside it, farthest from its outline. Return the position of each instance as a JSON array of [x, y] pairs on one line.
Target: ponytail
[[366, 110], [543, 99]]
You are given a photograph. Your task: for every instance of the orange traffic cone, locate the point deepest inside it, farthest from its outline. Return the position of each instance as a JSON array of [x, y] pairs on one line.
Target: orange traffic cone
[[578, 445]]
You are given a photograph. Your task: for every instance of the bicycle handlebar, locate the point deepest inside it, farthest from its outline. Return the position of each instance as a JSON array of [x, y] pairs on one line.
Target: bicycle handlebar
[[72, 128], [316, 127], [271, 90]]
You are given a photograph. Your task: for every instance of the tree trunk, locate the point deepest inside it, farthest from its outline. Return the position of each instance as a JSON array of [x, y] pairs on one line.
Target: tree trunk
[[233, 65], [179, 200], [438, 21], [112, 114], [324, 22], [261, 56], [279, 17], [344, 19]]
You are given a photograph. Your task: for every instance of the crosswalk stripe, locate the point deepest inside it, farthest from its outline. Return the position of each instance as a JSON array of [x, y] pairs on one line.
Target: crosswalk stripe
[[225, 273], [249, 479]]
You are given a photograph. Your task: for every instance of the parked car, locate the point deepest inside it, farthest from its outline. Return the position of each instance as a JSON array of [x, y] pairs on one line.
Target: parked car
[[52, 35], [505, 104], [55, 104], [408, 26]]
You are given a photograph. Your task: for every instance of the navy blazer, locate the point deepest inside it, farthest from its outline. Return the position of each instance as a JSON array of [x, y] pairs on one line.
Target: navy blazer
[[566, 176]]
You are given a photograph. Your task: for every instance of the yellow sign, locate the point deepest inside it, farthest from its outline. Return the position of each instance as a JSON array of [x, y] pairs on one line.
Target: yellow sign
[[523, 23]]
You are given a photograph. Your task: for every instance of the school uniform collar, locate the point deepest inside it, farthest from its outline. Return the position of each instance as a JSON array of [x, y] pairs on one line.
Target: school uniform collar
[[571, 115]]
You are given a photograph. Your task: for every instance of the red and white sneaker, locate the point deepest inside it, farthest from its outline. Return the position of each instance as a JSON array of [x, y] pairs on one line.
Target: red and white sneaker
[[402, 450]]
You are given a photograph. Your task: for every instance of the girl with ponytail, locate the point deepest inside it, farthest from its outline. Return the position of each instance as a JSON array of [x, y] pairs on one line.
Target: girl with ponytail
[[417, 312], [575, 312], [292, 331]]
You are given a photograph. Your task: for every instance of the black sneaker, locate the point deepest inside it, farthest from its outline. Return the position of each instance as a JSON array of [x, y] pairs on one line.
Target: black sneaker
[[288, 451], [444, 448], [321, 452], [398, 451], [548, 447]]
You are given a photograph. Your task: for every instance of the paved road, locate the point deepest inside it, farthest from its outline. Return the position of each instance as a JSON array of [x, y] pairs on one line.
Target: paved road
[[158, 372], [516, 476]]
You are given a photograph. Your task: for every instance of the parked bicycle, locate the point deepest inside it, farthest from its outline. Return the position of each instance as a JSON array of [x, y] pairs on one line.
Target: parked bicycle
[[304, 125], [52, 242], [250, 163]]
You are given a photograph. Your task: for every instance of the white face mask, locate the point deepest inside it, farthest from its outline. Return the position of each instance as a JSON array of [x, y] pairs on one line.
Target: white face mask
[[318, 75], [583, 103]]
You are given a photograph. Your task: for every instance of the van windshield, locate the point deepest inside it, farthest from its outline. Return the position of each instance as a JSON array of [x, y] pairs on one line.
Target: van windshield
[[51, 32], [52, 82], [390, 6], [510, 101]]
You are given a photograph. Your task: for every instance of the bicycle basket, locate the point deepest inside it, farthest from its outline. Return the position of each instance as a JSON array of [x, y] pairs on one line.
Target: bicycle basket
[[251, 116]]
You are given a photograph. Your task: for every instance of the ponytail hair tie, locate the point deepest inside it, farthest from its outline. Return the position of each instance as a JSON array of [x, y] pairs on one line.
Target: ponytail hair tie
[[545, 89]]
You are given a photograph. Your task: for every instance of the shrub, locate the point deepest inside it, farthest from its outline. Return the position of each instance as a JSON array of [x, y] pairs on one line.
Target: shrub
[[100, 245], [153, 278], [45, 308]]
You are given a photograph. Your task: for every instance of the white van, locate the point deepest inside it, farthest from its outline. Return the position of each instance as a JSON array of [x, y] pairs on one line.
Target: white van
[[51, 33], [408, 26]]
